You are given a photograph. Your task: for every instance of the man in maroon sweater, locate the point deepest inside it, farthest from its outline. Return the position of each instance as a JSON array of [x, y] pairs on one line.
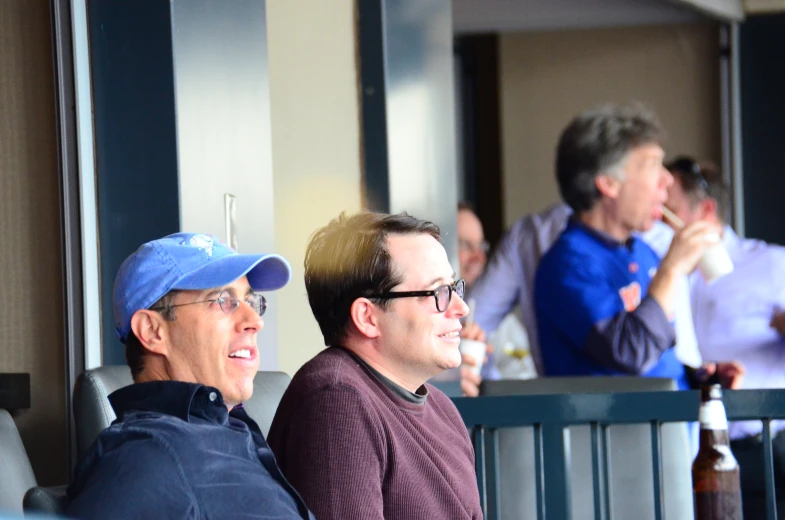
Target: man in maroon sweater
[[358, 432]]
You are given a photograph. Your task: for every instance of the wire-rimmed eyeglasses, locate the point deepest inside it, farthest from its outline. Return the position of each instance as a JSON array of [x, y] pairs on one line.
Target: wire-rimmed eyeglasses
[[441, 295], [472, 247], [228, 303]]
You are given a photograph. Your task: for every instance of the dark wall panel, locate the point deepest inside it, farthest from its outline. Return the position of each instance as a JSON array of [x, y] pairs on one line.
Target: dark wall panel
[[481, 127], [408, 107], [136, 152], [762, 60]]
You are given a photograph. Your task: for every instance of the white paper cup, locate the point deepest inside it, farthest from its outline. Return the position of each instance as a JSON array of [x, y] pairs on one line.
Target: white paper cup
[[476, 350], [715, 263]]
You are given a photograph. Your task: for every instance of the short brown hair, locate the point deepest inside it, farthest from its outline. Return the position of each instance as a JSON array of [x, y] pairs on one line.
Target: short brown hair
[[348, 259], [700, 180], [134, 351], [464, 205]]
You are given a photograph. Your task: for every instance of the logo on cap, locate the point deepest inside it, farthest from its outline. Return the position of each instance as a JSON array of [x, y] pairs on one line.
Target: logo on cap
[[203, 243]]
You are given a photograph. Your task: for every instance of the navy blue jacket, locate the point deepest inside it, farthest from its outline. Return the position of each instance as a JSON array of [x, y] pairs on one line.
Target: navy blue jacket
[[175, 451]]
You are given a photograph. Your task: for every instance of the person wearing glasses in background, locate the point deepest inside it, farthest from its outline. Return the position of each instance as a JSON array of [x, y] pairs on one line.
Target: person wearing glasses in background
[[188, 309], [738, 316], [473, 249], [359, 432], [509, 357]]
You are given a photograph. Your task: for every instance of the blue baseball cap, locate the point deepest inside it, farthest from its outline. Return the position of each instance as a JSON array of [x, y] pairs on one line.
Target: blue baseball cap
[[187, 261]]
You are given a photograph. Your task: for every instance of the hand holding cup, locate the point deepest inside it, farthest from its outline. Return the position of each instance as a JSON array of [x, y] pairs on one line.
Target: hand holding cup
[[698, 244]]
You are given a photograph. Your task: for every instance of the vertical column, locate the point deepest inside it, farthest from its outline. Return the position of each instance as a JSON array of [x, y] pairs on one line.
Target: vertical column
[[418, 121], [761, 40], [135, 138]]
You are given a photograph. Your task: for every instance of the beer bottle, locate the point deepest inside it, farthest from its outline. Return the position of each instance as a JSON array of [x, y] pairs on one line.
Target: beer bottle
[[715, 472]]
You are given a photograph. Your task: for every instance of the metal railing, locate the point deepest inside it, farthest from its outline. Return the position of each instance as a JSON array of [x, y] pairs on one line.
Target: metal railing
[[550, 415]]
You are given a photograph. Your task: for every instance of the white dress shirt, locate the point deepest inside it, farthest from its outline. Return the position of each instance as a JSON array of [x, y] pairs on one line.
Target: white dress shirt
[[732, 316]]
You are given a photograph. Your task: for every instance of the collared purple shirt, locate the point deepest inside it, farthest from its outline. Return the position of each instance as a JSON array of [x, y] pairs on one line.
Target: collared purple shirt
[[508, 280]]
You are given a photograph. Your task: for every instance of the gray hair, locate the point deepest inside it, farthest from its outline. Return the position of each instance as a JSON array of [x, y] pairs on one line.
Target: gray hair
[[597, 142]]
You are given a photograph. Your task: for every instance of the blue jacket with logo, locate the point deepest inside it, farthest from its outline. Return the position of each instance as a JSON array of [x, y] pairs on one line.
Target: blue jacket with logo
[[594, 316]]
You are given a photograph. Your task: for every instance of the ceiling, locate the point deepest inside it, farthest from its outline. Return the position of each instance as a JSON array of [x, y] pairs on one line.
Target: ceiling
[[478, 16]]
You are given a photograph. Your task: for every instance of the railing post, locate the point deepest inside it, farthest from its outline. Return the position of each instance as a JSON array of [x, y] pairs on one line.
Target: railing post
[[768, 465], [478, 435], [539, 472], [606, 466], [656, 464], [599, 464], [493, 501], [556, 457]]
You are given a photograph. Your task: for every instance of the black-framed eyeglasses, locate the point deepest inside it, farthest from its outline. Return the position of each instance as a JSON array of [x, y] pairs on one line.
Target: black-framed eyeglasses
[[442, 294], [228, 303], [466, 245], [691, 172]]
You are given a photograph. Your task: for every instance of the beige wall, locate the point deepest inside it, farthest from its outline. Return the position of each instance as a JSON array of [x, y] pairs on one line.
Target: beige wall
[[31, 316], [548, 77], [316, 145]]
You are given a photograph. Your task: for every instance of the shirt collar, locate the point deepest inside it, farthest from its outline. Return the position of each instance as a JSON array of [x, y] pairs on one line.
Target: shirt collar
[[604, 238], [418, 397], [176, 398], [730, 239]]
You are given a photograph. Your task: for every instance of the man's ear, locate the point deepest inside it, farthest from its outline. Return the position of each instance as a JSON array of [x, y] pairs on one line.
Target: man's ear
[[608, 185], [708, 209], [365, 319], [149, 327]]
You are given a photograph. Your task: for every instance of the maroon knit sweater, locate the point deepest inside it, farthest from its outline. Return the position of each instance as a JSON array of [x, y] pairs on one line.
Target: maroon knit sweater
[[355, 450]]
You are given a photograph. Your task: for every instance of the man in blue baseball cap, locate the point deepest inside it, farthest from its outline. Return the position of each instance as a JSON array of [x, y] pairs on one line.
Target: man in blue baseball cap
[[188, 309]]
